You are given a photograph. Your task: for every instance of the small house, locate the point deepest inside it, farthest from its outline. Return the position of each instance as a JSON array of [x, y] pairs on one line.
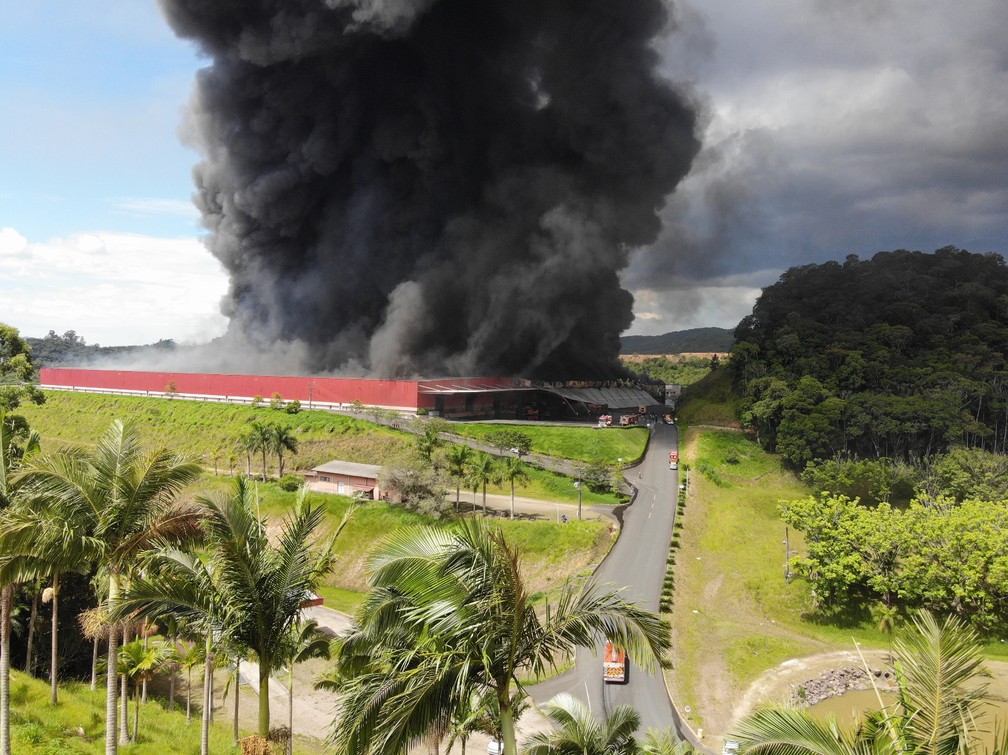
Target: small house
[[345, 478]]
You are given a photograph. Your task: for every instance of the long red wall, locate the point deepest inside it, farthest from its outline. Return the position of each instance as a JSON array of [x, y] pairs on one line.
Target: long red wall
[[391, 393]]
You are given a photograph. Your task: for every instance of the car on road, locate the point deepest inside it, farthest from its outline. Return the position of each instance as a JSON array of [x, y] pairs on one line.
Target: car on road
[[673, 465]]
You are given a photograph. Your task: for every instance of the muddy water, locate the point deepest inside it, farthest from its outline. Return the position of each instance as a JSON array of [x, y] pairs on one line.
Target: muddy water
[[849, 707]]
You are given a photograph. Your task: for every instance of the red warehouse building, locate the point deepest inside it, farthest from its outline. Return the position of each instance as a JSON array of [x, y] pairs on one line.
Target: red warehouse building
[[453, 398]]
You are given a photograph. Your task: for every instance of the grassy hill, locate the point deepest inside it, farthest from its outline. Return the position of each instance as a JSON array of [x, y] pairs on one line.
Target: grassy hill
[[709, 401], [77, 723], [208, 432]]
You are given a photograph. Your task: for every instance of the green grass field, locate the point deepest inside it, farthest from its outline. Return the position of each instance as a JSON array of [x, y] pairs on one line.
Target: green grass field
[[209, 431], [587, 444], [550, 552], [37, 728]]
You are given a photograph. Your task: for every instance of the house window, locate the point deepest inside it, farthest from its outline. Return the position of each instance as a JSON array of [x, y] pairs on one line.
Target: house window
[[326, 479]]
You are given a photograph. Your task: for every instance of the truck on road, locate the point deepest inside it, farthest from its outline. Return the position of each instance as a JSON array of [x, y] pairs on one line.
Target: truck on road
[[614, 665]]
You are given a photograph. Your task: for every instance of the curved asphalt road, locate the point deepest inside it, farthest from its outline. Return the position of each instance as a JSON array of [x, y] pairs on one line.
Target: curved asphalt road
[[637, 561]]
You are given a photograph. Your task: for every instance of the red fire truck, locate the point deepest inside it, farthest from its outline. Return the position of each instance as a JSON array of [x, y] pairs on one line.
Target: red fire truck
[[614, 665]]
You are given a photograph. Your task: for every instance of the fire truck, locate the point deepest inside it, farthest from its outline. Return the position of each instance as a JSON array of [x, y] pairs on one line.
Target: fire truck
[[614, 665]]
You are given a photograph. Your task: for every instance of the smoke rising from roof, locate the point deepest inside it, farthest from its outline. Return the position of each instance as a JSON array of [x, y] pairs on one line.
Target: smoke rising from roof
[[434, 186]]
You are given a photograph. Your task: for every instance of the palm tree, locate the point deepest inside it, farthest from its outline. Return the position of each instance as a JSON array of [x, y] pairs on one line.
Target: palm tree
[[281, 440], [307, 641], [259, 586], [664, 742], [428, 440], [110, 505], [140, 661], [482, 472], [247, 442], [936, 712], [6, 606], [449, 615], [259, 437], [580, 734], [191, 655], [458, 463], [16, 441], [514, 471]]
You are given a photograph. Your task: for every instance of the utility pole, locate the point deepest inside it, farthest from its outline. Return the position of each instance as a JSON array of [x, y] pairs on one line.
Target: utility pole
[[787, 554], [578, 486]]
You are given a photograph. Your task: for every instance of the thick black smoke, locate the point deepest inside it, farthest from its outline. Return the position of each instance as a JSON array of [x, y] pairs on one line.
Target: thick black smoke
[[434, 186]]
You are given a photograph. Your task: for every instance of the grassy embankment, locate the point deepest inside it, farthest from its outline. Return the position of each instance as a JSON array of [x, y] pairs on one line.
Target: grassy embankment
[[37, 728], [734, 615], [209, 432]]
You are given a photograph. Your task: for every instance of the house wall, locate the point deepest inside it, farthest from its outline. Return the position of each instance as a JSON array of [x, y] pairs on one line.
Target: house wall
[[328, 482]]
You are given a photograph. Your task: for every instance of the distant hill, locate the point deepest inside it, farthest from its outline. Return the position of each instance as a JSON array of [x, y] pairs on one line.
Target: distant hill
[[695, 340], [70, 350]]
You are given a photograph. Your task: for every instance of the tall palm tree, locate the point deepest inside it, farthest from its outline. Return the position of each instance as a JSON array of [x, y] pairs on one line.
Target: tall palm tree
[[17, 440], [191, 655], [578, 732], [110, 505], [259, 437], [514, 471], [282, 440], [483, 471], [938, 705], [449, 615], [260, 582], [458, 465]]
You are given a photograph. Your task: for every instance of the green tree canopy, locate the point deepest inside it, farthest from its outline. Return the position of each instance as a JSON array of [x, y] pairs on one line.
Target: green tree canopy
[[903, 355]]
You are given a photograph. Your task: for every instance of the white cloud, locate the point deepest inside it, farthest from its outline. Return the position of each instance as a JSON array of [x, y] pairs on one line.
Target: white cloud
[[697, 306], [112, 288], [146, 207]]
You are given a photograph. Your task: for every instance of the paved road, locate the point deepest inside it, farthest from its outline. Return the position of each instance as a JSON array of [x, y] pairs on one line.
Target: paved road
[[637, 561]]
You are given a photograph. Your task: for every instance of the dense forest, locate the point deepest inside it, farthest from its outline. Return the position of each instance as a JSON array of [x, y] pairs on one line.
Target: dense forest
[[901, 356]]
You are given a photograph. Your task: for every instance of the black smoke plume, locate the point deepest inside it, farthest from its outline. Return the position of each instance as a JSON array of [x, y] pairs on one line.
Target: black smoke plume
[[434, 187]]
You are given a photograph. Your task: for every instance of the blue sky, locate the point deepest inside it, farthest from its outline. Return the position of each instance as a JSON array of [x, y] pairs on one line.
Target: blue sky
[[93, 98], [99, 233], [830, 128]]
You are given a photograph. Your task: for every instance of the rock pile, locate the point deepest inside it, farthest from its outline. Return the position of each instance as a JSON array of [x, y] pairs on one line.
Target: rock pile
[[838, 681]]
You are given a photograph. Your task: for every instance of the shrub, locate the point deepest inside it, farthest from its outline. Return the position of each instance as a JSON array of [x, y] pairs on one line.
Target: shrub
[[257, 401], [290, 482], [423, 411], [277, 402], [293, 407]]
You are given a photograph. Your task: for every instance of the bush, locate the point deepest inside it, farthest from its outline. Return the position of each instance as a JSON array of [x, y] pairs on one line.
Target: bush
[[257, 401], [423, 411], [293, 407], [277, 402], [290, 482]]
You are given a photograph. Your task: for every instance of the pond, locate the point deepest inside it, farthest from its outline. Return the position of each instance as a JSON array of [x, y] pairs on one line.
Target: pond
[[848, 707]]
